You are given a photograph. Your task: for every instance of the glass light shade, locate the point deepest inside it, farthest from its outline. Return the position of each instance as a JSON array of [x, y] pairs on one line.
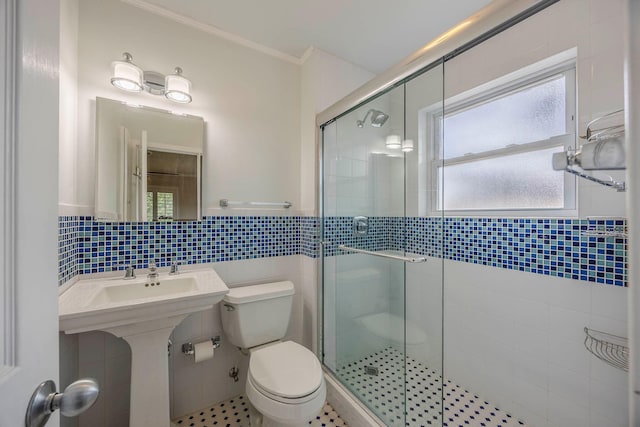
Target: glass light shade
[[177, 88], [127, 76], [407, 145], [393, 141]]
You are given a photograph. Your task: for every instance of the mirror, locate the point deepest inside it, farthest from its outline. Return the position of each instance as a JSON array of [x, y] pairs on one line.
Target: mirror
[[148, 163]]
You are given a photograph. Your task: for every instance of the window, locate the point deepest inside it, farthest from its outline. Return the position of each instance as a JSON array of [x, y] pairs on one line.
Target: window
[[493, 151], [160, 206]]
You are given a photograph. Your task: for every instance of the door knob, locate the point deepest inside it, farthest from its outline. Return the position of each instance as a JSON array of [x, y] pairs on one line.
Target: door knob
[[76, 398]]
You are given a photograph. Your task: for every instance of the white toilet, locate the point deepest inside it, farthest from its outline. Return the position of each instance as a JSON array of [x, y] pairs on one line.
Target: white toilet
[[285, 384]]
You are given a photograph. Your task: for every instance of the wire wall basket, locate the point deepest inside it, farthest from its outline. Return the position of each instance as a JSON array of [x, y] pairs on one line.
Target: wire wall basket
[[611, 349]]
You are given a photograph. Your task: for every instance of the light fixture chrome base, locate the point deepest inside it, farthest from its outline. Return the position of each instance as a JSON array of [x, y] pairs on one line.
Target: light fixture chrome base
[[153, 82]]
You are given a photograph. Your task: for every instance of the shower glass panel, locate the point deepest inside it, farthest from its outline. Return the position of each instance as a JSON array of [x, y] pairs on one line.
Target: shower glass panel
[[382, 323], [364, 294], [423, 234]]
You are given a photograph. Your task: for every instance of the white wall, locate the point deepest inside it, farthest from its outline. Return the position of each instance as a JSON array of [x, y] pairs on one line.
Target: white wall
[[67, 180], [325, 80], [516, 339]]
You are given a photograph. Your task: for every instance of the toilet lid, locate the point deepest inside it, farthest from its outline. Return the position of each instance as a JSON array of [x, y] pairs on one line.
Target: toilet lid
[[286, 369]]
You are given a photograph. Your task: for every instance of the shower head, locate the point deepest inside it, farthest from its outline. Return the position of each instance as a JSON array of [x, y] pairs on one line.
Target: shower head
[[378, 118]]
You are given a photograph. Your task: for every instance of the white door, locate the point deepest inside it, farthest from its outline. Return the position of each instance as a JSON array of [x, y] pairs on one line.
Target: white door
[[29, 30]]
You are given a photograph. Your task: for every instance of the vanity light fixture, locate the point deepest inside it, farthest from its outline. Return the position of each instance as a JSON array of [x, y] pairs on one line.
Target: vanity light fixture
[[407, 145], [128, 76], [177, 88]]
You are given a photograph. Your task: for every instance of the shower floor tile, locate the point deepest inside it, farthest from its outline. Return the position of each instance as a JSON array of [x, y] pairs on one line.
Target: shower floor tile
[[235, 413], [385, 393]]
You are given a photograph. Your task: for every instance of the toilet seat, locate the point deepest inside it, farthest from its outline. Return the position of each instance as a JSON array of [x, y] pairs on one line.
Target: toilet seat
[[288, 401], [286, 372]]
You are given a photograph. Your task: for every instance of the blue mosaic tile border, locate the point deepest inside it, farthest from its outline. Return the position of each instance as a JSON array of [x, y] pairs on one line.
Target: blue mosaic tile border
[[556, 247], [309, 236], [110, 246], [68, 248]]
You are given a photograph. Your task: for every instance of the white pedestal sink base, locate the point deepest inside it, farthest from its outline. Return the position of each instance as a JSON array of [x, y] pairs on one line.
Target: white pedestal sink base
[[149, 370], [144, 314]]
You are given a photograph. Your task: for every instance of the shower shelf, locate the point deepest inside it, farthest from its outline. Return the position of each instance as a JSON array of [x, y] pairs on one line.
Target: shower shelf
[[611, 349], [598, 130]]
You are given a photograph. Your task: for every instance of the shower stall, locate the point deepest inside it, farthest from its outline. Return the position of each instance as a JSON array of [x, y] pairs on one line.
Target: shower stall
[[382, 302], [438, 200]]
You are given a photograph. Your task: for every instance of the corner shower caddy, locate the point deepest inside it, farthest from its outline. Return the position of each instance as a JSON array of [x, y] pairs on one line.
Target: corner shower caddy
[[594, 133], [611, 349]]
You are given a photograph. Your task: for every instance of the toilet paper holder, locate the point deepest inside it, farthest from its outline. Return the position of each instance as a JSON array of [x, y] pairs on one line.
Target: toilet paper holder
[[188, 348]]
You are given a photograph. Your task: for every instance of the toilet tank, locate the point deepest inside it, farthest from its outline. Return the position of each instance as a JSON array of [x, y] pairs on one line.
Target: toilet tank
[[257, 314]]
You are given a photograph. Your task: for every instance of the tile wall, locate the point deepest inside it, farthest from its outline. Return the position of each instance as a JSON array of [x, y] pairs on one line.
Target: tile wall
[[88, 246], [581, 249]]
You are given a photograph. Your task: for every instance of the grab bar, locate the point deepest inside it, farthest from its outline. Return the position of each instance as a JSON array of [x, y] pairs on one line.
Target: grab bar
[[225, 203], [383, 255]]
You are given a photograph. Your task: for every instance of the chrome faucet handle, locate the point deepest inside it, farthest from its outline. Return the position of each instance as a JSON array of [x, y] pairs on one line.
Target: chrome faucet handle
[[174, 267], [129, 273]]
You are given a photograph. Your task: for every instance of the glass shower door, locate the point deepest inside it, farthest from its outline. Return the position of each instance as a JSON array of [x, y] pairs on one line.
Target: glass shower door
[[364, 301], [382, 273]]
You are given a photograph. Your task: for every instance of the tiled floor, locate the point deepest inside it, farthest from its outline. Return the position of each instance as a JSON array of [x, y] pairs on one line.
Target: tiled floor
[[385, 393], [235, 413]]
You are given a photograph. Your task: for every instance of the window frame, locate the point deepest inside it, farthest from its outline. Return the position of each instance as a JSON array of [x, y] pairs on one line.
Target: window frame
[[509, 84]]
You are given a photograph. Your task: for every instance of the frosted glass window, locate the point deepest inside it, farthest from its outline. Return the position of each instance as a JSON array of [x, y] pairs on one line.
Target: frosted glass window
[[531, 114], [519, 181], [493, 152]]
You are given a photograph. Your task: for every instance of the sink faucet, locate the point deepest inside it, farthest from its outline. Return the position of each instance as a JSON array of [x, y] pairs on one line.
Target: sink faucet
[[153, 271], [174, 268], [129, 273]]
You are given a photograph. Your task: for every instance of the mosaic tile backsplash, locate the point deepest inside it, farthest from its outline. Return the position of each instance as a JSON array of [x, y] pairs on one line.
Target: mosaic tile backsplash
[[556, 247], [106, 246]]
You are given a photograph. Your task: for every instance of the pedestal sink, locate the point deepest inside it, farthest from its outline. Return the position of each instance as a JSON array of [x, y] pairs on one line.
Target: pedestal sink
[[143, 312]]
